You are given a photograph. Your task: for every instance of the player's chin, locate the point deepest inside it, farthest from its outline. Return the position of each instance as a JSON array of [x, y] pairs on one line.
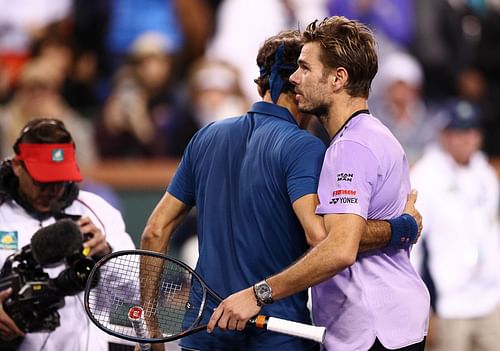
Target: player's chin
[[306, 109]]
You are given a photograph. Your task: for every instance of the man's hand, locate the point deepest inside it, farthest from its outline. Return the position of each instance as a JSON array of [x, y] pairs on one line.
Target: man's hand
[[412, 211], [97, 243], [234, 312], [8, 328]]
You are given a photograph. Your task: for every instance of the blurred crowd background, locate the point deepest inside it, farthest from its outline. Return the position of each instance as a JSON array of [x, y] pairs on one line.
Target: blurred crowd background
[[133, 80], [136, 79]]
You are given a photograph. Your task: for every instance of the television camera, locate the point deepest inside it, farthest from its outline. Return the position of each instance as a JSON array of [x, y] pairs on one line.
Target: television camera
[[35, 296]]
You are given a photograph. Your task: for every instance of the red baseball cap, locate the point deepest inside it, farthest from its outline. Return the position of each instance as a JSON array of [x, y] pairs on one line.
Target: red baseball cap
[[50, 162]]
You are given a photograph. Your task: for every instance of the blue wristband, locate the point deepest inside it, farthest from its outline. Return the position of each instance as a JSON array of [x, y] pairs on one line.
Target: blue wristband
[[404, 230]]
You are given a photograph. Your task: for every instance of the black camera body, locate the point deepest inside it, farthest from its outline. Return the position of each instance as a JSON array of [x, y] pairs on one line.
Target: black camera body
[[36, 297]]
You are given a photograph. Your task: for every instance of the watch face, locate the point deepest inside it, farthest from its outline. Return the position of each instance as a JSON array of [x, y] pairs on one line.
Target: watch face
[[263, 290], [263, 293]]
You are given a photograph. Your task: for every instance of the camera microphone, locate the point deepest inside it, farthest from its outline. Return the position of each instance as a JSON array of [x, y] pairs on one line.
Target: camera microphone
[[53, 243]]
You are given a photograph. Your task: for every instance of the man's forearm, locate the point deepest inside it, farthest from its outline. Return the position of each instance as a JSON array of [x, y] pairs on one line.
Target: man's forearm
[[377, 235], [166, 217], [323, 257], [380, 233], [332, 255]]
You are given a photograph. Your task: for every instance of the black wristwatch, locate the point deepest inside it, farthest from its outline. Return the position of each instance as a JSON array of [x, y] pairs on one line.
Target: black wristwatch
[[263, 293]]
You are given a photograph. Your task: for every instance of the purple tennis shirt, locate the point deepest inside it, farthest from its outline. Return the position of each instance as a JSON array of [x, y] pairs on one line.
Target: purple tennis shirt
[[365, 172]]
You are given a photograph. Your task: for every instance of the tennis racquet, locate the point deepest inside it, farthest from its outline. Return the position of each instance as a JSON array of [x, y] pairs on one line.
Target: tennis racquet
[[147, 297]]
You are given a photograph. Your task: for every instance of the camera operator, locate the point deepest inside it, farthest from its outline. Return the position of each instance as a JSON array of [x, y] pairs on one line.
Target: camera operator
[[38, 186]]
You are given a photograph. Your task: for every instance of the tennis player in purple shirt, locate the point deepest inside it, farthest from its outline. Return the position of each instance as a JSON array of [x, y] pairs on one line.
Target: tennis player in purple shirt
[[365, 174], [368, 301]]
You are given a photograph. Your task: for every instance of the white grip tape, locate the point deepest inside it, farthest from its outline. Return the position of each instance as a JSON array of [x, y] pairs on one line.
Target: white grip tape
[[297, 329]]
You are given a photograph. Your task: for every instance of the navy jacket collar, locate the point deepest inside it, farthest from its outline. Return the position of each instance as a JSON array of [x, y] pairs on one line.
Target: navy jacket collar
[[273, 110]]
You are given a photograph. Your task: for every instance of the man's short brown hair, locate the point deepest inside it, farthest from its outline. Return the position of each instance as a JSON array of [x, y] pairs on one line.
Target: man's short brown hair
[[292, 44], [349, 44]]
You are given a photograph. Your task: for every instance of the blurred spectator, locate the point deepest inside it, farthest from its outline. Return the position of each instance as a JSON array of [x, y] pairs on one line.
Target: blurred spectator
[[488, 66], [197, 20], [186, 25], [77, 68], [448, 35], [130, 18], [22, 21], [38, 95], [90, 22], [391, 20], [143, 117], [214, 91], [457, 40], [459, 251], [397, 100], [243, 25]]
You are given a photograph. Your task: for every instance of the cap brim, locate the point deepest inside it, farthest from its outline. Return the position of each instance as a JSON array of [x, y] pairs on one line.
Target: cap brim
[[53, 172]]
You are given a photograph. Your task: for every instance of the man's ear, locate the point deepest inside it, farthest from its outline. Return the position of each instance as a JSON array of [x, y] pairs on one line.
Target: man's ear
[[16, 166], [340, 78]]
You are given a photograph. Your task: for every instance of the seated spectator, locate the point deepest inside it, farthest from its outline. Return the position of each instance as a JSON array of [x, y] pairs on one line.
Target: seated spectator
[[142, 117], [20, 23], [77, 65], [39, 94], [214, 91], [397, 100]]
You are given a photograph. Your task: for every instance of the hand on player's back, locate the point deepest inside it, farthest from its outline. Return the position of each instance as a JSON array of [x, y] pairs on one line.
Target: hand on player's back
[[411, 210]]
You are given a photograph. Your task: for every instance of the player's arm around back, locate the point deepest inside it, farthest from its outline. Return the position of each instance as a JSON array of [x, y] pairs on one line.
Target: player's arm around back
[[377, 234], [312, 224], [332, 255], [162, 222]]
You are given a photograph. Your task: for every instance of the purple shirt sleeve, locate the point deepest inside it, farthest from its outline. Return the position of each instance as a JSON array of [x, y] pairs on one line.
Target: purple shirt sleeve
[[347, 179]]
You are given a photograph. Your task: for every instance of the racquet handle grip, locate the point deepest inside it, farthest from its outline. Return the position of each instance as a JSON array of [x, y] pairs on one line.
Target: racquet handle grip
[[135, 315], [144, 347], [284, 326]]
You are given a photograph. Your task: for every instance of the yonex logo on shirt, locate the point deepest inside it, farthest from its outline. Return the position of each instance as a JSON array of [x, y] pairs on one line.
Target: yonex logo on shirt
[[344, 200]]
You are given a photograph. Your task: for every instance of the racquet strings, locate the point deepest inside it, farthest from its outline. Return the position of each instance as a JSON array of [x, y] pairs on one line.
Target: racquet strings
[[160, 286]]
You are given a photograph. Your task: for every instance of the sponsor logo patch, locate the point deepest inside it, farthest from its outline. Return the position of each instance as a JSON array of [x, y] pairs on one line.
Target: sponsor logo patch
[[8, 240], [343, 200], [343, 192], [58, 155], [344, 177]]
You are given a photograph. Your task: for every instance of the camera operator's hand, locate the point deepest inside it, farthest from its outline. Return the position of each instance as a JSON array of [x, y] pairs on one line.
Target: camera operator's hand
[[97, 242], [8, 328]]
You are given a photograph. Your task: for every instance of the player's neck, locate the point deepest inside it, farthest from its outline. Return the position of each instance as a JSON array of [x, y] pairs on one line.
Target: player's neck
[[341, 111], [287, 101]]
